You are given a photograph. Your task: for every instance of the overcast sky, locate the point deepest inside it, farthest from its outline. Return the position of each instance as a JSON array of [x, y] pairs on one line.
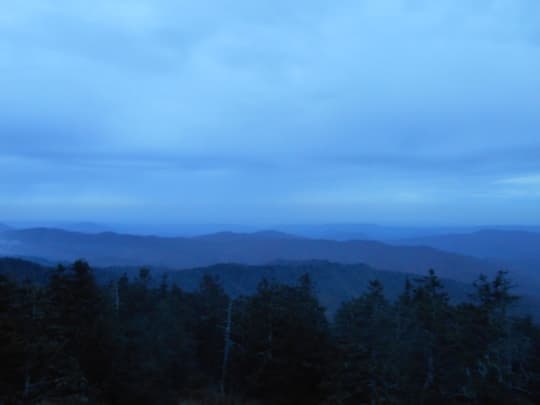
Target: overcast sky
[[388, 111]]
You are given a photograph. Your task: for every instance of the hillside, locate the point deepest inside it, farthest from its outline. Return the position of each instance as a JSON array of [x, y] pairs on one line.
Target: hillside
[[21, 270], [334, 283], [515, 250]]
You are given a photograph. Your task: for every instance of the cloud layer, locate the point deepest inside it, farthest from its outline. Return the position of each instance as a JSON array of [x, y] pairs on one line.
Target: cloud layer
[[199, 111]]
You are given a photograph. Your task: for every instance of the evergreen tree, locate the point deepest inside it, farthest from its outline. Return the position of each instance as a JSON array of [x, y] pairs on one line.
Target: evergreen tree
[[364, 329], [211, 305], [281, 342], [138, 342]]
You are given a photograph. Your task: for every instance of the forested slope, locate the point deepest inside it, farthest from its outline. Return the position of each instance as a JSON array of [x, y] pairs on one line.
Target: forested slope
[[129, 342]]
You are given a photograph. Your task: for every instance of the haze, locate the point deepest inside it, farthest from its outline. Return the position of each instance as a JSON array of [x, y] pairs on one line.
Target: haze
[[409, 112]]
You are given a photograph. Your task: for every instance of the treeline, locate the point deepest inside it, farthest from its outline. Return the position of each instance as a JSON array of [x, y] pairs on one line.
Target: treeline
[[136, 341]]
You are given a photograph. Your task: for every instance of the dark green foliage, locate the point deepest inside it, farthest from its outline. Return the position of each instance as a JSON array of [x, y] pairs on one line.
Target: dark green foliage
[[210, 306], [421, 349], [152, 353], [365, 334], [144, 341], [281, 344]]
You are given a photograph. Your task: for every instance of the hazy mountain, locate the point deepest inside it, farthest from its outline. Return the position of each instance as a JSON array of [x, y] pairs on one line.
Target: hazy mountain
[[86, 227], [516, 250], [334, 231], [229, 236], [503, 244], [359, 231], [388, 233], [168, 230], [106, 249]]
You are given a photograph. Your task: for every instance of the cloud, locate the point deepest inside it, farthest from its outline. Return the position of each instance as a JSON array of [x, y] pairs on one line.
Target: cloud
[[241, 107], [527, 180]]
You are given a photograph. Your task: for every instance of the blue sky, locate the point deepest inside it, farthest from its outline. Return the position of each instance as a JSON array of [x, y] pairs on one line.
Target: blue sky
[[389, 111]]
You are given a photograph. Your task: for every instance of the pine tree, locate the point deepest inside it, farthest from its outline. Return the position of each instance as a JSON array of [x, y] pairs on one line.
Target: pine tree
[[364, 329], [211, 303], [281, 344]]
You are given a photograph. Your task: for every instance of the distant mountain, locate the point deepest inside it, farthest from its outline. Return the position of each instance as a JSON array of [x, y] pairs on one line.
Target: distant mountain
[[4, 227], [333, 231], [166, 230], [111, 249], [228, 236], [86, 227], [517, 251], [334, 283], [502, 244], [348, 231]]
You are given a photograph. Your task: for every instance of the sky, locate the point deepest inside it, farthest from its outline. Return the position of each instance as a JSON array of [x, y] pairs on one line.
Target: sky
[[380, 111]]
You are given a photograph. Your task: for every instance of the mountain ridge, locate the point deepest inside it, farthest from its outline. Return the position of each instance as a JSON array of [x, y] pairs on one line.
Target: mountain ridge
[[492, 243], [112, 249]]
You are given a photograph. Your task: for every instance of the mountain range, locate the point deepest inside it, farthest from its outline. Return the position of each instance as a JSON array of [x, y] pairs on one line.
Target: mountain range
[[111, 249], [461, 257], [520, 245]]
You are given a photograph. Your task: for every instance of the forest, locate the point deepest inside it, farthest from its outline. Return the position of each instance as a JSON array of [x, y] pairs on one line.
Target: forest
[[138, 340]]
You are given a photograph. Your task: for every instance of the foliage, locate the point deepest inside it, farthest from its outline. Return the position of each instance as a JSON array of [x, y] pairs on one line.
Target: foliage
[[137, 341]]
